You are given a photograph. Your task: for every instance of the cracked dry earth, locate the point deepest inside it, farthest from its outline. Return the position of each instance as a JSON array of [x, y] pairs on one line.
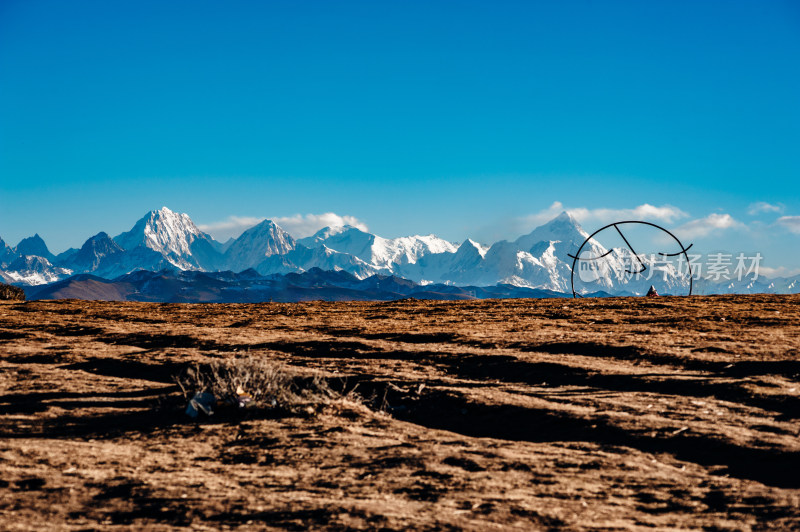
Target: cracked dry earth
[[595, 414]]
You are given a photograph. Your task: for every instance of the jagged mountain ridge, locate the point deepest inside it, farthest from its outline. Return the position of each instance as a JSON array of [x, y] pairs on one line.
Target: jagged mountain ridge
[[382, 253], [175, 237], [34, 246], [257, 244], [32, 270], [92, 253], [164, 239]]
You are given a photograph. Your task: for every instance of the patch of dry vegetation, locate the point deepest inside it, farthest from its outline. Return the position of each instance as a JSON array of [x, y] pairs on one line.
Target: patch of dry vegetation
[[257, 382], [11, 293]]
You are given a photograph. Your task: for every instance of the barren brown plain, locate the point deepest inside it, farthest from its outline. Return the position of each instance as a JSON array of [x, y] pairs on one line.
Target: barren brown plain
[[596, 414]]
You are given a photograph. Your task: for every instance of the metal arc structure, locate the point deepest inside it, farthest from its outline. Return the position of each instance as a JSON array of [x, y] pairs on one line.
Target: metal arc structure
[[576, 257]]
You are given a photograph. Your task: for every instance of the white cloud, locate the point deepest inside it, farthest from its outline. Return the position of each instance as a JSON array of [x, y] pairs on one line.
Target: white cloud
[[298, 226], [792, 223], [701, 227], [781, 271], [762, 206], [664, 213]]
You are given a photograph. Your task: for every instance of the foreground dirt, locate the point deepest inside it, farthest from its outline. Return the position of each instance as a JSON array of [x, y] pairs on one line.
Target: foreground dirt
[[526, 414]]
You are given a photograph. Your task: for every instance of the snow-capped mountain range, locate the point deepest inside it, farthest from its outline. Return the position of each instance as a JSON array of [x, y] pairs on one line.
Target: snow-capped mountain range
[[164, 239]]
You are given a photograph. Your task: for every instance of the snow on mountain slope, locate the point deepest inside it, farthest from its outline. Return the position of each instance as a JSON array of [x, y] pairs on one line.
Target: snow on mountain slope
[[747, 285], [346, 239], [322, 235], [563, 228], [506, 263], [175, 237], [540, 259], [303, 259], [623, 273], [31, 270], [536, 260], [409, 249], [138, 258], [256, 244], [445, 267], [102, 256], [382, 253]]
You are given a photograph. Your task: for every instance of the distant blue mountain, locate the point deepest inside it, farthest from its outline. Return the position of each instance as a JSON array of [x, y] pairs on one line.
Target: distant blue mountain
[[171, 286]]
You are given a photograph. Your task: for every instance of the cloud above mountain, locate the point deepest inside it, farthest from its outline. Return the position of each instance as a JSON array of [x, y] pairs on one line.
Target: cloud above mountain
[[299, 225], [231, 227], [781, 271], [645, 211], [667, 214], [712, 223]]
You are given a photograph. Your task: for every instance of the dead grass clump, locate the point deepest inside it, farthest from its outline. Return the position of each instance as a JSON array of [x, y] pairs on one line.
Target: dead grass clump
[[11, 293], [253, 381]]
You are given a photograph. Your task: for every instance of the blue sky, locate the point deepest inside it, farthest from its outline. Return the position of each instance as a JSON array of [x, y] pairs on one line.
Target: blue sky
[[466, 119]]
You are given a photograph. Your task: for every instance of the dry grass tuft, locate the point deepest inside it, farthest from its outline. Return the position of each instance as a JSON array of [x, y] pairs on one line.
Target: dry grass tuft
[[267, 383], [11, 293]]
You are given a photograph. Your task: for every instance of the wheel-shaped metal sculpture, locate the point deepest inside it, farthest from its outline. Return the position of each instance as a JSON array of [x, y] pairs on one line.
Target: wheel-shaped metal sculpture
[[616, 225]]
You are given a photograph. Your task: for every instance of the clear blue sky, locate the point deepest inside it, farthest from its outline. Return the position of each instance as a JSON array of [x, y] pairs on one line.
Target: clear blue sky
[[459, 118]]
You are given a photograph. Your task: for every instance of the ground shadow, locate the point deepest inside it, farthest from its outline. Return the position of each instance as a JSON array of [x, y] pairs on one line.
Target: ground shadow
[[507, 368], [129, 369], [452, 411], [20, 403], [156, 341]]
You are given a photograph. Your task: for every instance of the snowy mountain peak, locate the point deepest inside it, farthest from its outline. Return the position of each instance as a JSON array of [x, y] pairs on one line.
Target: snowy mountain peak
[[344, 239], [382, 253], [160, 230], [169, 233], [565, 222], [256, 244], [324, 234], [563, 228], [164, 239], [430, 244], [32, 270], [564, 216]]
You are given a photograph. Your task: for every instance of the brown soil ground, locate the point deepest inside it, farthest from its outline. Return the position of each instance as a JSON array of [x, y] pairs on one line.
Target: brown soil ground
[[665, 413]]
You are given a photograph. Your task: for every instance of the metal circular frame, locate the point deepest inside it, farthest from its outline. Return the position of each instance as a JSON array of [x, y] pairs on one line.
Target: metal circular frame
[[576, 257]]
